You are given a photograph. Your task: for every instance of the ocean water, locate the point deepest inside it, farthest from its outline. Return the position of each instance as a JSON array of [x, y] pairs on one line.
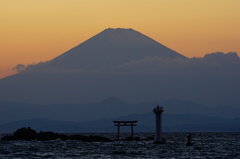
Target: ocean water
[[205, 145]]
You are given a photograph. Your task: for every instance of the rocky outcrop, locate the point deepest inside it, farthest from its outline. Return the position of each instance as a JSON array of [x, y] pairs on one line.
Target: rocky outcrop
[[30, 134]]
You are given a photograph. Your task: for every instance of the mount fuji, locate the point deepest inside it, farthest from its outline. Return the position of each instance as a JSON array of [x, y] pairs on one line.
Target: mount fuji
[[129, 65], [110, 48]]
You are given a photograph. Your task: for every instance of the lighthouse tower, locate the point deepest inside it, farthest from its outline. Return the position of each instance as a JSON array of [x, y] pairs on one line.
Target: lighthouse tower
[[158, 112]]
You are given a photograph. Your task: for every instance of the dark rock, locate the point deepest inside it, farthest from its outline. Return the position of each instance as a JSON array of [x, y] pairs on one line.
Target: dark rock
[[76, 137], [45, 136], [30, 134], [25, 134], [8, 137]]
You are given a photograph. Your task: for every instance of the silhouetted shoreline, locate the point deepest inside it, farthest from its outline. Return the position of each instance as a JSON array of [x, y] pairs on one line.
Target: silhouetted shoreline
[[29, 134]]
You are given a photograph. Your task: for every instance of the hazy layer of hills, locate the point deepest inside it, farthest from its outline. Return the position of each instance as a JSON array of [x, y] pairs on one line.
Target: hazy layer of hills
[[171, 123], [178, 116]]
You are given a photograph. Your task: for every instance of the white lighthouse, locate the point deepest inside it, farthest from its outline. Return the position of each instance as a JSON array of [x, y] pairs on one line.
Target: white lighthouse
[[158, 112]]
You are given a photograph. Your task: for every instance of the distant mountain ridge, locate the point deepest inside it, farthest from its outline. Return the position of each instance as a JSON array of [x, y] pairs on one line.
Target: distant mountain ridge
[[111, 107]]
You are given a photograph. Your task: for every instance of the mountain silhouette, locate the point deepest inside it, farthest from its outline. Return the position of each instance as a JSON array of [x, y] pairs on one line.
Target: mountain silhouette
[[110, 48], [131, 66]]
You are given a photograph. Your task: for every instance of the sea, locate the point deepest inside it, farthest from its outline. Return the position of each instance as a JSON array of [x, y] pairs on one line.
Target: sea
[[205, 146]]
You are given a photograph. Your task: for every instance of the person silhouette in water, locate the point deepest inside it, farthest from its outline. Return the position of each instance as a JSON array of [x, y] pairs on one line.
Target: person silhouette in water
[[189, 140]]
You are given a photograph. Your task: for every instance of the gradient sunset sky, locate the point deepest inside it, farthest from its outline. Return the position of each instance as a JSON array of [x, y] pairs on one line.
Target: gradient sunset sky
[[39, 30]]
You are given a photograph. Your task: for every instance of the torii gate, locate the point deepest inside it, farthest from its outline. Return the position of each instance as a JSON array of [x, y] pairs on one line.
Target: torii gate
[[125, 123]]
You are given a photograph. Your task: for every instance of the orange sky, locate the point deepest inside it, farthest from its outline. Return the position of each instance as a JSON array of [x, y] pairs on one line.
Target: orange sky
[[38, 30]]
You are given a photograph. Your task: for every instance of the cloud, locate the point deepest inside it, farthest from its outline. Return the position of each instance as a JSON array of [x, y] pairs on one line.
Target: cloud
[[214, 63], [220, 57], [40, 68], [211, 63], [19, 68], [154, 64]]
